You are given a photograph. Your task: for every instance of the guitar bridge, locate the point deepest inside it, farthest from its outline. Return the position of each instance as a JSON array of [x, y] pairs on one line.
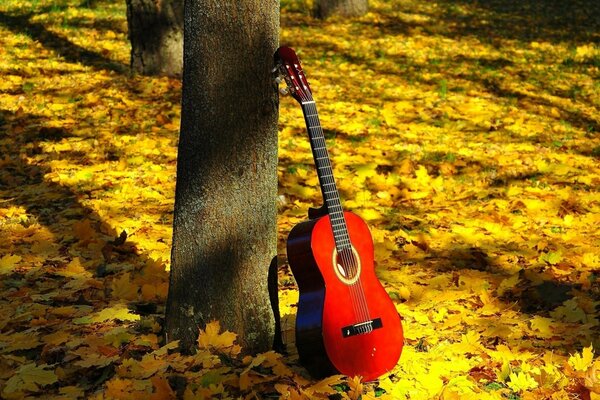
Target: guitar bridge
[[362, 328]]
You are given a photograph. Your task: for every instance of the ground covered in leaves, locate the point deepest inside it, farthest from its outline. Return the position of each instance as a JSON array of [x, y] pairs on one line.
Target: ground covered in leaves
[[467, 133]]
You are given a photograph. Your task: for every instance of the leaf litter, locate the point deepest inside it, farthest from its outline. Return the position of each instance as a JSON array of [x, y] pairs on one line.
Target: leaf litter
[[465, 133]]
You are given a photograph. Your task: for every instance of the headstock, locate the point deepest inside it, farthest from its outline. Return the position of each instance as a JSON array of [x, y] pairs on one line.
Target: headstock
[[288, 66]]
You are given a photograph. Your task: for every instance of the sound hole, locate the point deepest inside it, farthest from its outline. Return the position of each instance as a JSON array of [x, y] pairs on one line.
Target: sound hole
[[347, 265]]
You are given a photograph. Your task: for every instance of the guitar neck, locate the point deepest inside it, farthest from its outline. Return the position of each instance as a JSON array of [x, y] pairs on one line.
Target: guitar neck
[[331, 196]]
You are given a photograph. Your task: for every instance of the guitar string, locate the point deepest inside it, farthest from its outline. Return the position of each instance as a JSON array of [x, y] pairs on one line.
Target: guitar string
[[348, 259], [349, 262], [345, 253], [357, 297]]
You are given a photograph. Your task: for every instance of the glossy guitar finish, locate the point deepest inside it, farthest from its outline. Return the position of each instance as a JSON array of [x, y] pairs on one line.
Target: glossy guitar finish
[[346, 322], [324, 307]]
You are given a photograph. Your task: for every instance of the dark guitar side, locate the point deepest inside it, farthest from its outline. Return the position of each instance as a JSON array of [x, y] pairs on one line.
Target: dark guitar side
[[309, 319]]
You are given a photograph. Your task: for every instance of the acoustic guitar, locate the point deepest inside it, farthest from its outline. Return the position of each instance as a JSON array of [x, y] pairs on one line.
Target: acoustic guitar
[[346, 322]]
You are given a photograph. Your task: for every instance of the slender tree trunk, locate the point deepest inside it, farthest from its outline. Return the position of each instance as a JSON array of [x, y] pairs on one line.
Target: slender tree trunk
[[224, 229], [345, 8], [156, 36]]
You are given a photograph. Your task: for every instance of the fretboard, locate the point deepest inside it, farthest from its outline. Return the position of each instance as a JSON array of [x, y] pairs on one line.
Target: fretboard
[[331, 196]]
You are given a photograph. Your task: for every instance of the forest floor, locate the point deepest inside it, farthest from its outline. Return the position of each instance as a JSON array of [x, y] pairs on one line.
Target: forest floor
[[467, 134]]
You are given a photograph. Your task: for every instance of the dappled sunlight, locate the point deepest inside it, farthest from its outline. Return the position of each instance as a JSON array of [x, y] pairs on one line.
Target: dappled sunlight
[[465, 133]]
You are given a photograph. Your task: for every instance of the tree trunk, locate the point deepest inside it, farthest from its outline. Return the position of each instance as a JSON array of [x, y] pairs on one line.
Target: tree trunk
[[224, 229], [156, 36], [346, 8]]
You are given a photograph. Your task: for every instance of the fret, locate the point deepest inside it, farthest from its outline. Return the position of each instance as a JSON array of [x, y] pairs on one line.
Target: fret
[[330, 193], [330, 207], [339, 228]]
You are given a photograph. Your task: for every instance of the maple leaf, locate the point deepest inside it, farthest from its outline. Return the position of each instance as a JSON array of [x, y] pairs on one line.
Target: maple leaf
[[245, 378], [123, 288], [542, 326], [30, 377], [469, 343], [569, 312], [275, 361], [551, 258], [288, 392], [19, 341], [324, 386], [356, 388], [117, 311], [581, 362], [521, 382], [57, 338], [142, 369], [119, 388], [210, 338], [95, 360], [155, 291], [8, 263], [118, 336], [162, 389], [74, 269], [592, 378]]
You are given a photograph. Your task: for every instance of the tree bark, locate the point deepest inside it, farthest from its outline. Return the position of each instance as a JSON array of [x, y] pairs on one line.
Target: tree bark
[[224, 229], [156, 36], [346, 8]]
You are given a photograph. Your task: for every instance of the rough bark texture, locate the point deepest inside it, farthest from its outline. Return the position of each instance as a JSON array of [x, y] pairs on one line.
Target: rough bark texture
[[156, 36], [345, 8], [224, 236]]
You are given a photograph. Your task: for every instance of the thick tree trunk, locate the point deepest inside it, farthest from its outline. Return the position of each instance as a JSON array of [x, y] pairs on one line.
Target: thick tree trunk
[[345, 8], [156, 36], [224, 236]]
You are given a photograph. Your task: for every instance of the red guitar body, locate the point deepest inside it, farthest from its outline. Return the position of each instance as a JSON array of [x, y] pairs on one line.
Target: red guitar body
[[331, 334], [346, 322]]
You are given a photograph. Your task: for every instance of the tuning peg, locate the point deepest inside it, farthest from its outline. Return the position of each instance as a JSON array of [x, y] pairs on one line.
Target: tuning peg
[[278, 79], [284, 91]]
